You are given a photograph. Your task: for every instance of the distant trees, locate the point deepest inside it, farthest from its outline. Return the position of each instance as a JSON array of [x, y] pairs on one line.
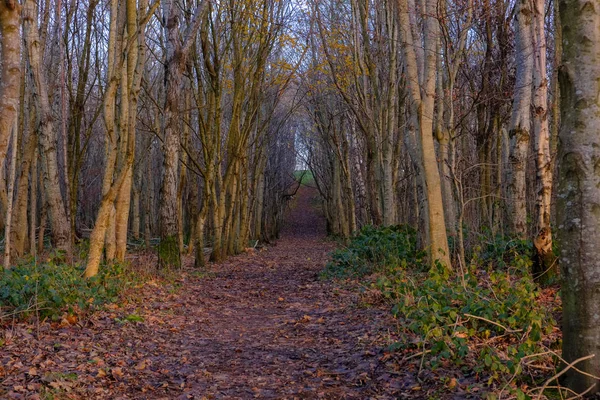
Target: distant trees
[[194, 106], [86, 96], [436, 115]]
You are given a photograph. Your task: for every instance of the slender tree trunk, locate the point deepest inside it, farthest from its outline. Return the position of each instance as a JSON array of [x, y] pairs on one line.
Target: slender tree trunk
[[520, 124], [33, 204], [118, 229], [423, 100], [544, 268], [135, 223], [43, 216], [103, 236], [183, 176], [169, 252], [20, 234], [9, 208], [48, 141], [131, 84], [10, 75], [442, 135]]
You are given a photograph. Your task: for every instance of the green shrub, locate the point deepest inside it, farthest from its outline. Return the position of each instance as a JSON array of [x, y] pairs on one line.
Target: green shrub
[[51, 287], [377, 250], [488, 320], [457, 319], [501, 251]]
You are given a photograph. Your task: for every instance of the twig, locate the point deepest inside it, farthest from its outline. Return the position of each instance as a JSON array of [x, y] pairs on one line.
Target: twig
[[420, 353], [580, 395], [494, 323], [566, 389], [577, 369], [564, 370]]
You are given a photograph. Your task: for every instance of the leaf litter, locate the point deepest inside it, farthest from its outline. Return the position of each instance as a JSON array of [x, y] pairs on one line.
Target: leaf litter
[[260, 325]]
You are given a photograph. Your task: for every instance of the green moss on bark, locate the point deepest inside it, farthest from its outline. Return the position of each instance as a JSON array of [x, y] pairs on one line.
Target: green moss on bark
[[168, 253]]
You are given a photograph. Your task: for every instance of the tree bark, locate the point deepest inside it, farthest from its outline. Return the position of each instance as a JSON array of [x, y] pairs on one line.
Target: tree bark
[[169, 253], [520, 124], [10, 76], [544, 265], [423, 99], [578, 204], [168, 250], [59, 222], [9, 208]]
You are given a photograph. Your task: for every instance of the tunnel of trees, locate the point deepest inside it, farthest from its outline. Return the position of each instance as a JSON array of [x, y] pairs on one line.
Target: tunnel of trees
[[179, 124]]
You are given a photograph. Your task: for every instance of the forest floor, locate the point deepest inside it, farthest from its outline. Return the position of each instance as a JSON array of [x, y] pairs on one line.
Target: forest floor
[[261, 325]]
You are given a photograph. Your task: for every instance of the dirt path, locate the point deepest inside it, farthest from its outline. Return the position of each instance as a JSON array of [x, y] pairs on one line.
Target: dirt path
[[261, 325]]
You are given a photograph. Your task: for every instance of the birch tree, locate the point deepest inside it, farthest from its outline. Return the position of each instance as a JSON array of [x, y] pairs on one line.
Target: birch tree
[[520, 125], [543, 267]]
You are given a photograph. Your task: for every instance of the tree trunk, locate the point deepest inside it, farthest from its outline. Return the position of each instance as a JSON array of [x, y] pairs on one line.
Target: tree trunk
[[544, 267], [520, 124], [578, 205], [9, 208], [423, 100], [19, 230], [10, 76], [169, 253], [60, 226], [33, 205]]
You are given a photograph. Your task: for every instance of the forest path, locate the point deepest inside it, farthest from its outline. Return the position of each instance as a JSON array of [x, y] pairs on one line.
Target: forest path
[[261, 325]]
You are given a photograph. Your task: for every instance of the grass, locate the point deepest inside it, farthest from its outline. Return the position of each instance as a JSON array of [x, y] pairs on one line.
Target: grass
[[306, 177]]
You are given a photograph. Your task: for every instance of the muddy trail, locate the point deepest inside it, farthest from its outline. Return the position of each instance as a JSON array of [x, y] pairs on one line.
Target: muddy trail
[[261, 325]]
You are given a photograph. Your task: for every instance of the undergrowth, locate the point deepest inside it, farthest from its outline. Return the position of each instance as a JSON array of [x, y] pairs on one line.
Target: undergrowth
[[52, 287], [376, 250], [489, 322]]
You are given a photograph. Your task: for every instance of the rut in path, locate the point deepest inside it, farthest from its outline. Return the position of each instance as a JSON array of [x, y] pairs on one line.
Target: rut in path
[[261, 325]]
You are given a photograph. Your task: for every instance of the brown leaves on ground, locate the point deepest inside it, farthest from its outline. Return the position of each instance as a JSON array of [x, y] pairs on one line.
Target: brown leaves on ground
[[261, 325]]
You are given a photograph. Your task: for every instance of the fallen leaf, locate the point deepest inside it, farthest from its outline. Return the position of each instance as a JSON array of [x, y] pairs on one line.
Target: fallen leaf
[[140, 366], [305, 318], [117, 372], [452, 383]]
